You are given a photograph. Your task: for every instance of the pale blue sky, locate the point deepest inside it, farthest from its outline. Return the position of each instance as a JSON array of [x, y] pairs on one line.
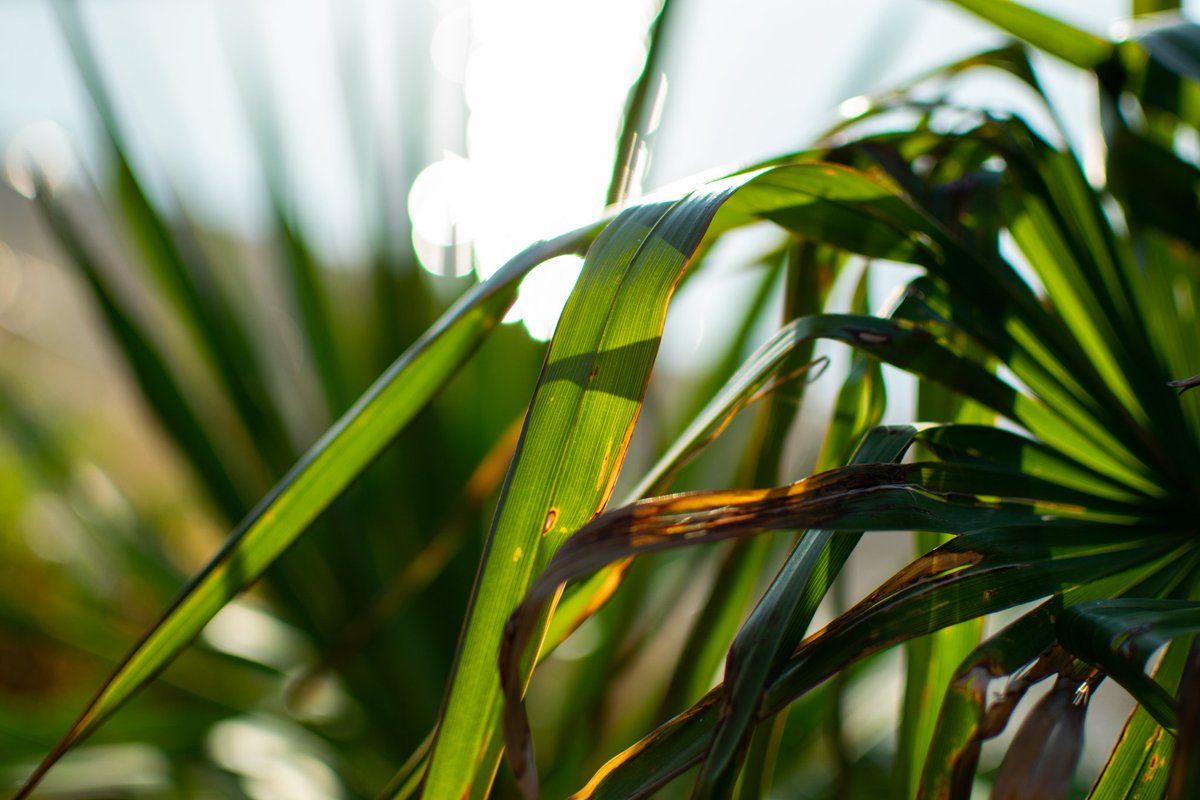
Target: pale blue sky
[[745, 80]]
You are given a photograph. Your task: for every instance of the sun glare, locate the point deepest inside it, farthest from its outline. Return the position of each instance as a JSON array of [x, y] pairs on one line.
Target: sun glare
[[439, 205], [43, 146], [544, 105]]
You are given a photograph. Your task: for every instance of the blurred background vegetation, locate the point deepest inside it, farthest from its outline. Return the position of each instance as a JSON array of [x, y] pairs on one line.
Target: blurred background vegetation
[[238, 218]]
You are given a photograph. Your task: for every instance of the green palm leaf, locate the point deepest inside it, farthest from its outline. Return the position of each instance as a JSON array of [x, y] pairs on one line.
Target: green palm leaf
[[590, 392]]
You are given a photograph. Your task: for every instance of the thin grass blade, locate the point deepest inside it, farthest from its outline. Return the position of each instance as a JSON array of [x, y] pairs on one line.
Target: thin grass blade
[[184, 274], [160, 388]]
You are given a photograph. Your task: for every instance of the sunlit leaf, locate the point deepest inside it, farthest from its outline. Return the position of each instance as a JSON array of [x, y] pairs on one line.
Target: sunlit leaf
[[308, 489], [1046, 33]]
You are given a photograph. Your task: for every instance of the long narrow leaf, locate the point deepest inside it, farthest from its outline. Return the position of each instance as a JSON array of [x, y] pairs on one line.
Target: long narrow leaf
[[780, 615], [327, 469], [1057, 38], [590, 389]]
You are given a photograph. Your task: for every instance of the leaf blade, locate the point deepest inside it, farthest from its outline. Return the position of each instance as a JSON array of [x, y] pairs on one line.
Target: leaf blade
[[332, 463], [1046, 33]]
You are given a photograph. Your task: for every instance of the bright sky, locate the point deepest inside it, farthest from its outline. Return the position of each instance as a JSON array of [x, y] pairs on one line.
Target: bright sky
[[519, 100]]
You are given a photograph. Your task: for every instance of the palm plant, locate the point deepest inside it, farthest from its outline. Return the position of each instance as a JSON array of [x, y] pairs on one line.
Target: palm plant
[[1054, 464]]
